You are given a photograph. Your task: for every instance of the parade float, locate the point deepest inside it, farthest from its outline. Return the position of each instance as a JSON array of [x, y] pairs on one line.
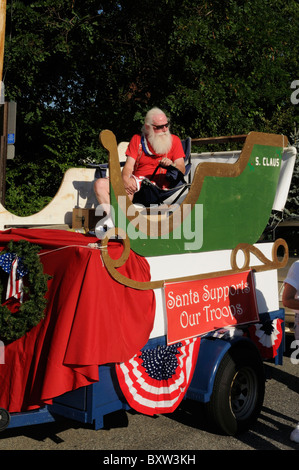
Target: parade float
[[177, 302]]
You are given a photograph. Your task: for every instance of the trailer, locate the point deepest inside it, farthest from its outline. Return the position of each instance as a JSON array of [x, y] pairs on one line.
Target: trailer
[[176, 302]]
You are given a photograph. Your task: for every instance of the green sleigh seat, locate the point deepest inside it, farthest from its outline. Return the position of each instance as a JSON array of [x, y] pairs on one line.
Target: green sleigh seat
[[227, 204]]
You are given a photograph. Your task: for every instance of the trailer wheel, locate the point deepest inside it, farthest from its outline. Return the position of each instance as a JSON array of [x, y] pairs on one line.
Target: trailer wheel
[[238, 392], [4, 419]]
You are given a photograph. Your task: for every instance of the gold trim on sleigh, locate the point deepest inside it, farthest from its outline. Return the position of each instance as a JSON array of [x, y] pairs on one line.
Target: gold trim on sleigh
[[246, 249]]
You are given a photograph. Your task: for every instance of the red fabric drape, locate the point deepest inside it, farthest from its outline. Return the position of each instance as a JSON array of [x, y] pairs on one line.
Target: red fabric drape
[[90, 319]]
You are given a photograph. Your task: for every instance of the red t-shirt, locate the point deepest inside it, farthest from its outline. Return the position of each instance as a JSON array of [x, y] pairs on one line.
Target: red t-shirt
[[146, 164]]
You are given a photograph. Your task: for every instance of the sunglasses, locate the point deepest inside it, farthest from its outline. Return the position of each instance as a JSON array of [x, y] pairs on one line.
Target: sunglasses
[[160, 127]]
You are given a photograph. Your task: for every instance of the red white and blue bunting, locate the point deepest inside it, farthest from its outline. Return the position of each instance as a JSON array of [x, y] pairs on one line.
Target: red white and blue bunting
[[267, 337], [155, 380]]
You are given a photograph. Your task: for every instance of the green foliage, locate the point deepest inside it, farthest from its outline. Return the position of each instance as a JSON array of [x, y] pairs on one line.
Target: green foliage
[[29, 189], [292, 205], [31, 311], [75, 68]]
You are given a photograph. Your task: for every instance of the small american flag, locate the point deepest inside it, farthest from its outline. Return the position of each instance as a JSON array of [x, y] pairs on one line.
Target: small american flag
[[14, 266]]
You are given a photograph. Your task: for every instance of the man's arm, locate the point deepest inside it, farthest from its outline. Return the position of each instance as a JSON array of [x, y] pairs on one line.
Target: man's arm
[[288, 297], [180, 165], [129, 183]]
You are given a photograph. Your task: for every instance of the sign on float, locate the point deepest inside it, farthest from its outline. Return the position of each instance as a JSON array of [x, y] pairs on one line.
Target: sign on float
[[198, 307]]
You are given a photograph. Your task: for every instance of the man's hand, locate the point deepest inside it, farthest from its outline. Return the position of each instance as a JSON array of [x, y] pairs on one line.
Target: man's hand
[[166, 161], [130, 184], [178, 163]]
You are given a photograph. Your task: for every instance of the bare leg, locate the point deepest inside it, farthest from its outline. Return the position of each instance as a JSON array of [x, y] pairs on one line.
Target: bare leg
[[102, 192], [101, 189]]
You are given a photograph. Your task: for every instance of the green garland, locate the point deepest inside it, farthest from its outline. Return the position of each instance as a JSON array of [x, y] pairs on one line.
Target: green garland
[[31, 312]]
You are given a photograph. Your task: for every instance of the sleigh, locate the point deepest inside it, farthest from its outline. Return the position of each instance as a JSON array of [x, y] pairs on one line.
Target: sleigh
[[227, 203]]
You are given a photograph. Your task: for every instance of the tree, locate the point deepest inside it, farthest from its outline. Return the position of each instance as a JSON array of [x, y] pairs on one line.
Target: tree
[[74, 68]]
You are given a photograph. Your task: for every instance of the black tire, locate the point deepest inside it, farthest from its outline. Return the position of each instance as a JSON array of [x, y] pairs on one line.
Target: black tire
[[238, 391], [4, 419]]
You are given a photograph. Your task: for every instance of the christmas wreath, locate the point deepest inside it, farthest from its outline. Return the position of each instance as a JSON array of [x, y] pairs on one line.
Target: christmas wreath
[[24, 310]]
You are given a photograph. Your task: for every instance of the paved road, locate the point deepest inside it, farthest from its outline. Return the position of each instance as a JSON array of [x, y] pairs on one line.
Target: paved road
[[183, 430]]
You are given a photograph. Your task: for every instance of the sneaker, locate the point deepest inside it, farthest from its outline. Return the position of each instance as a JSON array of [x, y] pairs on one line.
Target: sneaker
[[295, 434], [101, 231]]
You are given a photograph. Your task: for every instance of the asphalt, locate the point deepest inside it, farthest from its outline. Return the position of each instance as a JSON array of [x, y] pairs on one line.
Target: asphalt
[[184, 431]]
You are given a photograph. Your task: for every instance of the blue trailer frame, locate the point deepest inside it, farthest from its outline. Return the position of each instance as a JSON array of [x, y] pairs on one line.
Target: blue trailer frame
[[92, 403]]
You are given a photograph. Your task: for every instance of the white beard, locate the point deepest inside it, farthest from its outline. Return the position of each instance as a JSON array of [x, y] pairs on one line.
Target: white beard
[[161, 143]]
